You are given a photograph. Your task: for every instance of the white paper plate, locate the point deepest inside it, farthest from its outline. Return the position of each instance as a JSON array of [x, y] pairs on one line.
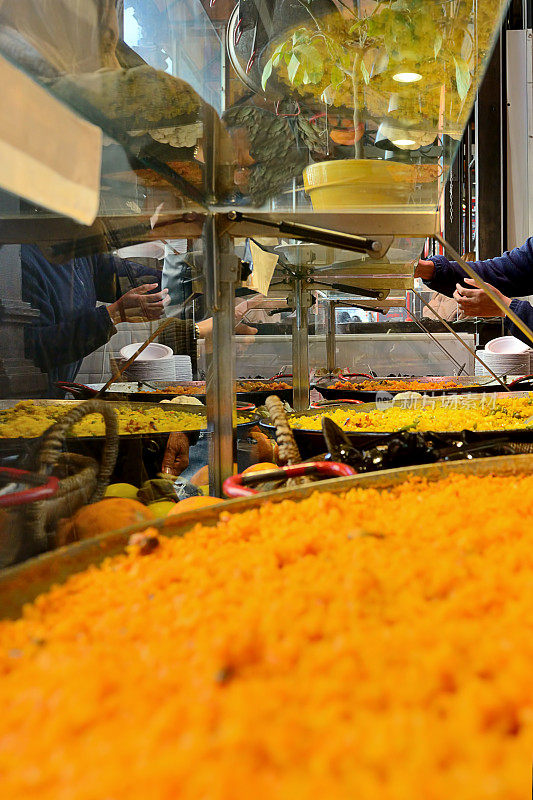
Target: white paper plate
[[506, 345], [154, 352]]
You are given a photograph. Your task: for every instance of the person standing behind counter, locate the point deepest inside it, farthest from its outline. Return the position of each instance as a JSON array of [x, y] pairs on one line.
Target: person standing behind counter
[[509, 275], [70, 324]]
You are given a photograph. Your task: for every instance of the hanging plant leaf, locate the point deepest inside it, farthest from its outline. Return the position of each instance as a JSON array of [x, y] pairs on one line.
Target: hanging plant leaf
[[357, 24], [267, 72], [365, 73], [437, 43], [462, 77], [292, 69], [278, 52], [300, 36], [312, 63], [328, 95], [337, 76]]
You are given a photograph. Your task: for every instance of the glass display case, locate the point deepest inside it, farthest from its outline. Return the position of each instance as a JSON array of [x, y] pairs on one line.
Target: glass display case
[[378, 93], [323, 130]]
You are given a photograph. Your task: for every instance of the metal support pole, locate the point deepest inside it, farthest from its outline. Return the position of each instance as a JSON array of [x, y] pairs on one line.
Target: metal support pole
[[490, 121], [300, 347], [331, 344], [220, 275]]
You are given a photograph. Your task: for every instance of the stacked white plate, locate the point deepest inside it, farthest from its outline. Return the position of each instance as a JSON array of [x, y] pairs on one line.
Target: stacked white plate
[[155, 363], [183, 366], [506, 355]]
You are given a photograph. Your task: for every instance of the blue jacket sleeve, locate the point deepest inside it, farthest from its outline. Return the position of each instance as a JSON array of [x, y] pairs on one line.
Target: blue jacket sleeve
[[109, 269], [511, 273], [69, 326], [55, 343], [524, 310]]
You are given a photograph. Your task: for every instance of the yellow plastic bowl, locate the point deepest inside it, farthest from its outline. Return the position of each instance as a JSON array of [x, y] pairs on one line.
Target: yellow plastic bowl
[[355, 183]]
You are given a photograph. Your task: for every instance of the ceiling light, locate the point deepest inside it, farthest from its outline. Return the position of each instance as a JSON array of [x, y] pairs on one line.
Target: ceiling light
[[407, 77], [403, 142], [392, 136]]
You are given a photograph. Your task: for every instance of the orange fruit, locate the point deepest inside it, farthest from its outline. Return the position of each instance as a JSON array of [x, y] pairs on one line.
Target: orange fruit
[[201, 478], [109, 514], [347, 134], [261, 466], [192, 504]]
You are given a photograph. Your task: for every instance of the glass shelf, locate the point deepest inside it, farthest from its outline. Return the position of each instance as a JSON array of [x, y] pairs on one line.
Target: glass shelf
[[362, 106]]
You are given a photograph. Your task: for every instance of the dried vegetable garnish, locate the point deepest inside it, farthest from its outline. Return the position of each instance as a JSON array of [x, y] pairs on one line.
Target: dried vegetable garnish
[[367, 645]]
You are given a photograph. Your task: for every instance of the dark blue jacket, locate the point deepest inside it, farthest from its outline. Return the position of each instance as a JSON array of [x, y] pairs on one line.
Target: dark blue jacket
[[511, 273], [70, 326]]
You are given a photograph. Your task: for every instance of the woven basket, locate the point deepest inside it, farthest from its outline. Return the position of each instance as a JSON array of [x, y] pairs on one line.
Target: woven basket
[[82, 479], [18, 488]]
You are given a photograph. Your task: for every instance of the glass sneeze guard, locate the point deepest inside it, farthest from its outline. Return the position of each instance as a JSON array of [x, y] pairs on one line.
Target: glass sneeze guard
[[369, 100]]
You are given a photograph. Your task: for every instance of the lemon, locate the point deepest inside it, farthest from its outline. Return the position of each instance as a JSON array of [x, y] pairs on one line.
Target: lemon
[[161, 507], [121, 490]]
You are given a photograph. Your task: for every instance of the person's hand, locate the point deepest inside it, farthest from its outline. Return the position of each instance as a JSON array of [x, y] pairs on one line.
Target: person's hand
[[474, 302], [425, 270], [137, 305], [241, 309], [205, 327], [255, 301], [176, 458]]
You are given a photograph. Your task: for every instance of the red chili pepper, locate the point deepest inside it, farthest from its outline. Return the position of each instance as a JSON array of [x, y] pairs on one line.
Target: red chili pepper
[[237, 33], [251, 61]]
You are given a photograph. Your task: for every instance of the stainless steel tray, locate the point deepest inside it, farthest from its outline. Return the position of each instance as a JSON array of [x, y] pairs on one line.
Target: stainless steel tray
[[198, 411], [23, 583], [308, 437], [127, 391], [468, 384]]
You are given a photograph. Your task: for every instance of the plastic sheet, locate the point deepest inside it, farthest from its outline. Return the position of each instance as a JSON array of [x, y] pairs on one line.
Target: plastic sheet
[[71, 36]]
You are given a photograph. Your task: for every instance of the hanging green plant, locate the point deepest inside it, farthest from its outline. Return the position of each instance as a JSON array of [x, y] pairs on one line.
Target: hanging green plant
[[427, 52]]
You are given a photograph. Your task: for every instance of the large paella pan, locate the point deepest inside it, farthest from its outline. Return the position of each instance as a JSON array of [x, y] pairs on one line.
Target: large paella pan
[[265, 640]]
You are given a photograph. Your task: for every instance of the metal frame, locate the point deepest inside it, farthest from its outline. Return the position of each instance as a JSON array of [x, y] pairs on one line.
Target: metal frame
[[371, 226], [221, 274], [218, 226], [489, 118], [220, 277]]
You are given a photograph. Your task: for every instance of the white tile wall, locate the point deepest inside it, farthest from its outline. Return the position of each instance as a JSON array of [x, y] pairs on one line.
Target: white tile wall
[[95, 366]]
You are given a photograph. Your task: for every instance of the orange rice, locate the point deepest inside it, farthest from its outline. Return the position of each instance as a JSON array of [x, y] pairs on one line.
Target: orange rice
[[287, 655], [396, 385], [241, 386]]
